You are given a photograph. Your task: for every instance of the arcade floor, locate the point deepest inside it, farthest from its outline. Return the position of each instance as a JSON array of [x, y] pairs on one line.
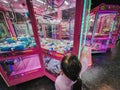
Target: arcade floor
[[103, 75]]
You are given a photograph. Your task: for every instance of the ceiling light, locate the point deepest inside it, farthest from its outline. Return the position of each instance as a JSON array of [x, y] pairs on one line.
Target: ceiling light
[[41, 1], [15, 0], [66, 3], [5, 1]]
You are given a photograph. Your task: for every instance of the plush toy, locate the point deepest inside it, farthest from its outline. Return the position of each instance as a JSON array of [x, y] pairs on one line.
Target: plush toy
[[11, 40]]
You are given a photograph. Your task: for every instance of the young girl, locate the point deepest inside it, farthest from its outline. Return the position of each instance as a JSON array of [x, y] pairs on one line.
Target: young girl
[[69, 77]]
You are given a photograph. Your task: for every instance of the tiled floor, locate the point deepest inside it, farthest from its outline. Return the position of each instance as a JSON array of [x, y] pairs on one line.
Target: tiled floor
[[105, 72], [103, 75]]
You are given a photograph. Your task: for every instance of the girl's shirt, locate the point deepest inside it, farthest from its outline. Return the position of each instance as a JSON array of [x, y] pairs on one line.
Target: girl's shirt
[[63, 83]]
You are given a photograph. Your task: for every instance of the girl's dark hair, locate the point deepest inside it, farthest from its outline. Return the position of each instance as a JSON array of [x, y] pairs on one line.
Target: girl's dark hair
[[71, 67]]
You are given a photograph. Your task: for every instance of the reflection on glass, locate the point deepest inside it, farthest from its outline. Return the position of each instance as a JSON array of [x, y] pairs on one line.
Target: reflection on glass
[[3, 28], [91, 24], [108, 20]]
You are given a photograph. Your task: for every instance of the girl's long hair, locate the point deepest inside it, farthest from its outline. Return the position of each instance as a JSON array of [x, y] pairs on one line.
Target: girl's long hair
[[71, 67]]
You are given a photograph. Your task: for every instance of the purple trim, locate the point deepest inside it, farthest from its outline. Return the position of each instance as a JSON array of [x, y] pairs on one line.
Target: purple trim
[[107, 11]]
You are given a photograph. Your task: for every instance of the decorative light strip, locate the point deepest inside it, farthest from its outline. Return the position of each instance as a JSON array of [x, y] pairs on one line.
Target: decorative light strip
[[82, 28], [87, 21]]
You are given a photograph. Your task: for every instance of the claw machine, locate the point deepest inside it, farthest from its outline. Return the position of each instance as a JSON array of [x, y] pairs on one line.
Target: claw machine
[[61, 29], [20, 58], [54, 28], [103, 28], [54, 44]]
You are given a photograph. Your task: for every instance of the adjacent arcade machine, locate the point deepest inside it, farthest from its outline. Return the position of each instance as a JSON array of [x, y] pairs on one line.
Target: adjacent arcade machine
[[103, 28], [35, 44]]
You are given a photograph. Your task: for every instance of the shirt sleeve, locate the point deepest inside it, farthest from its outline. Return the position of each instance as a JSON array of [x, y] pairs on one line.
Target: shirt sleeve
[[57, 83], [57, 86]]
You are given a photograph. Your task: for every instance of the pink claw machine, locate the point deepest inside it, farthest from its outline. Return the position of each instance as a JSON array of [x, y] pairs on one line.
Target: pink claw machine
[[20, 56], [55, 41], [37, 38], [103, 28], [61, 34]]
